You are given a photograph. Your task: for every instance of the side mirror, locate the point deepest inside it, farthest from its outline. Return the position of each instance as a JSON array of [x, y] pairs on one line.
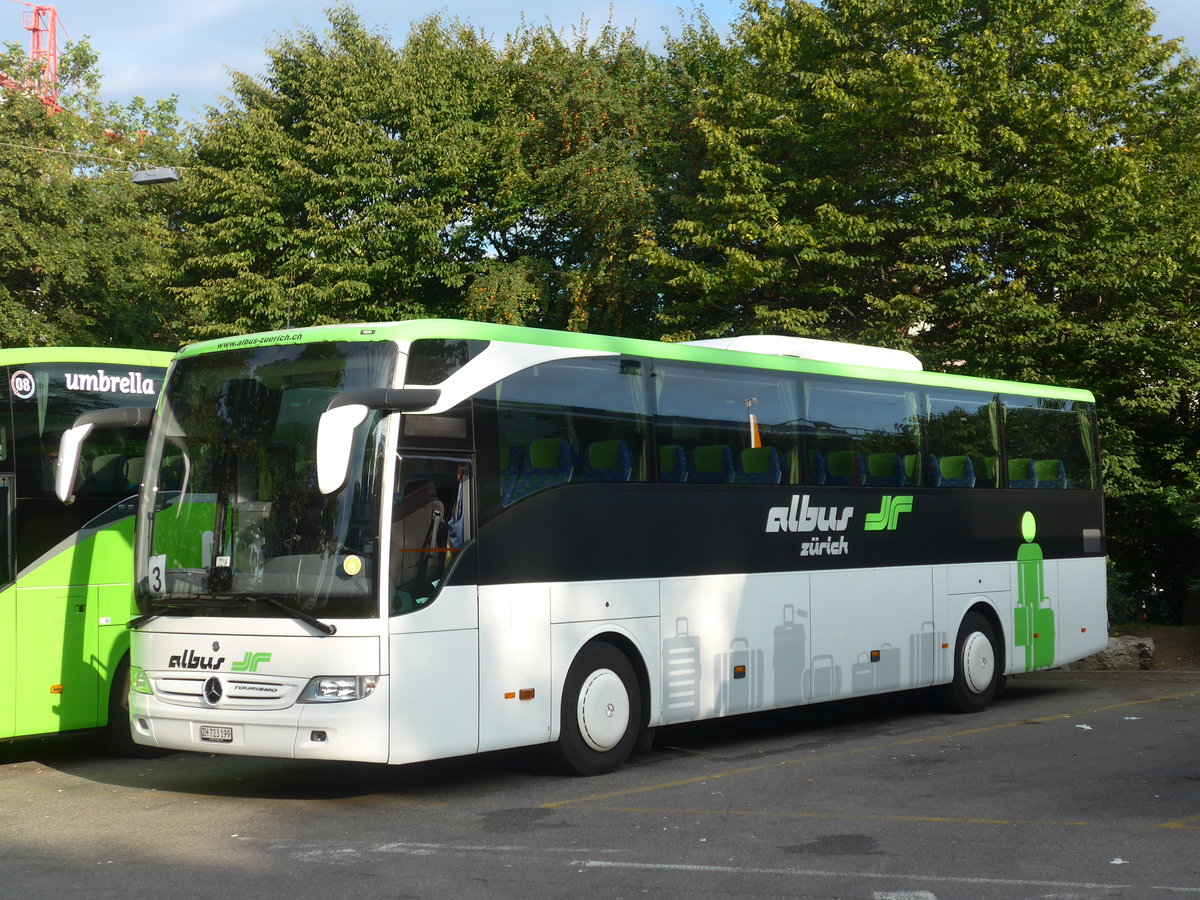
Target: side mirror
[[70, 445], [335, 437], [70, 448], [345, 412]]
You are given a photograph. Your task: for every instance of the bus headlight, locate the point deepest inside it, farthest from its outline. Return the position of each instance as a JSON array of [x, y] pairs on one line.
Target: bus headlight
[[139, 681], [336, 688]]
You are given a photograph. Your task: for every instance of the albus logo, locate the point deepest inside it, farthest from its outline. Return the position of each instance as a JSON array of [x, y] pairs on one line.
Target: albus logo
[[802, 517], [805, 519]]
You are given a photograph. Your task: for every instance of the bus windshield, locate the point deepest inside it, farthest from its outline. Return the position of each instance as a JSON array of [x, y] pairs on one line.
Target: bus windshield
[[234, 524]]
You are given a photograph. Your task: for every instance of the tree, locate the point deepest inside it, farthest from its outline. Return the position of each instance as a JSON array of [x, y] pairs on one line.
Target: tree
[[360, 181], [82, 254], [573, 186], [339, 187]]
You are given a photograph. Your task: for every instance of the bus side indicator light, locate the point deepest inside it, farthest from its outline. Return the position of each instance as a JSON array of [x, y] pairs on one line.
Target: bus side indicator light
[[510, 695], [526, 694], [56, 688]]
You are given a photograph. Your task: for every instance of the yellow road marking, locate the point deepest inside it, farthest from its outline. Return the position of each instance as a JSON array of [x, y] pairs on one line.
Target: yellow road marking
[[1189, 822]]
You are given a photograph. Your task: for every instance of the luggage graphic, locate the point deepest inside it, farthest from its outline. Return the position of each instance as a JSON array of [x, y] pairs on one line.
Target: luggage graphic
[[823, 679], [739, 678], [887, 670], [927, 659], [881, 675], [681, 675], [862, 675], [788, 659]]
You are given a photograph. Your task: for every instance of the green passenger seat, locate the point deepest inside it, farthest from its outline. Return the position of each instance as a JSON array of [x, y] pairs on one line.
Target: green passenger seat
[[886, 470], [1021, 473], [605, 461], [953, 471], [548, 462], [672, 464], [845, 468], [711, 464], [758, 465], [1051, 474]]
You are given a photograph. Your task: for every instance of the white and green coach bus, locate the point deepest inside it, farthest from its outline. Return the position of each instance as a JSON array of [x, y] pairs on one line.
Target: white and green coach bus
[[399, 542], [65, 572]]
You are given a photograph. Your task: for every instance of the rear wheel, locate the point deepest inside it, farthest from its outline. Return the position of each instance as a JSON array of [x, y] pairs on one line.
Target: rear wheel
[[601, 712], [976, 678]]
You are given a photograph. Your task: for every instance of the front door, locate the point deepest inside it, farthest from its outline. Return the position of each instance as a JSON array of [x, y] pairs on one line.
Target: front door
[[433, 610]]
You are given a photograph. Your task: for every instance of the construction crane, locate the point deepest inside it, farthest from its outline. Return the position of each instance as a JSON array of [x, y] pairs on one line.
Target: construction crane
[[41, 21]]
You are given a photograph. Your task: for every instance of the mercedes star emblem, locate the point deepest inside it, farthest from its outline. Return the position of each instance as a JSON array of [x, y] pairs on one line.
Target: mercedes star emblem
[[213, 691]]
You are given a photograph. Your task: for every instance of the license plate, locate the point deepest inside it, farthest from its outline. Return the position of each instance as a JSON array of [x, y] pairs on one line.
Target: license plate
[[217, 734]]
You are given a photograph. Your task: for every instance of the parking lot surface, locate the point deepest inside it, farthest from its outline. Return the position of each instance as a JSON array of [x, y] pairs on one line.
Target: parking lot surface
[[1073, 784]]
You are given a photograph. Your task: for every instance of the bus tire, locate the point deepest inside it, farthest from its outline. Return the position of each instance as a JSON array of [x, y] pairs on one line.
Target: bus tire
[[117, 735], [601, 712], [976, 678]]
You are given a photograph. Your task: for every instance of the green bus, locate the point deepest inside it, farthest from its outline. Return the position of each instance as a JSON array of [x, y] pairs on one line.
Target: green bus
[[65, 592]]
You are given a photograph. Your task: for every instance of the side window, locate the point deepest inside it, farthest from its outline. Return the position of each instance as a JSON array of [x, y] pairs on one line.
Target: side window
[[569, 422], [433, 360], [861, 434], [961, 432], [111, 467], [1050, 444], [724, 426], [46, 399]]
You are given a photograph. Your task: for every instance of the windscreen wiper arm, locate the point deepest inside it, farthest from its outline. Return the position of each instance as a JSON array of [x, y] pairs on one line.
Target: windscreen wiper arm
[[139, 621], [300, 614]]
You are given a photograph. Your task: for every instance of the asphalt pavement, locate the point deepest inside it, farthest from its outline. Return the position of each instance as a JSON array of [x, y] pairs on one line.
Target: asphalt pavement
[[1073, 784]]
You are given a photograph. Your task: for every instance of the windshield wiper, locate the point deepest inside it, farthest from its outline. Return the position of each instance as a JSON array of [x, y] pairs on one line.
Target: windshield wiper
[[141, 620], [211, 602], [300, 614]]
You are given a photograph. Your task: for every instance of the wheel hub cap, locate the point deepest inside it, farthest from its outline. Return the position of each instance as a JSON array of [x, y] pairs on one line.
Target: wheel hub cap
[[978, 661], [603, 710]]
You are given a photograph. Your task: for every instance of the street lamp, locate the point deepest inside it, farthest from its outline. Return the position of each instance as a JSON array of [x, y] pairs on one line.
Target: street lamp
[[159, 175]]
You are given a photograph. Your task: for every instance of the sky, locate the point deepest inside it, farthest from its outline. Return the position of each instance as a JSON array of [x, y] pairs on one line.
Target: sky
[[154, 49]]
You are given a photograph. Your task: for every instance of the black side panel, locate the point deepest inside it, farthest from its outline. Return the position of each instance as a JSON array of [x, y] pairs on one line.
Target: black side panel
[[581, 532]]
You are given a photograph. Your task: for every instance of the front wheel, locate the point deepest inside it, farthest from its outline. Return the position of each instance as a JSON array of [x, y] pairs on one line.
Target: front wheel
[[116, 735], [601, 712], [976, 677]]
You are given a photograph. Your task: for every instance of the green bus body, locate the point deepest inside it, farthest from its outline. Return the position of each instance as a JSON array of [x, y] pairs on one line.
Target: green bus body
[[65, 571]]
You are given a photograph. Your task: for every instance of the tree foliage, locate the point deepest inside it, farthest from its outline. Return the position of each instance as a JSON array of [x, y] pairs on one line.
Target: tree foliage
[[580, 154], [83, 255], [443, 177]]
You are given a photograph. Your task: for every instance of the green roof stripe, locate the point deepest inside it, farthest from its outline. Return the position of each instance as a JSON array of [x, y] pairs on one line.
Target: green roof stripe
[[20, 356], [417, 329]]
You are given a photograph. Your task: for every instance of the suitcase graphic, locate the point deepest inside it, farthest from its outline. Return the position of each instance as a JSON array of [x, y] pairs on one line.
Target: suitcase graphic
[[788, 659], [739, 677], [862, 675], [927, 660], [887, 670], [681, 675], [823, 679]]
